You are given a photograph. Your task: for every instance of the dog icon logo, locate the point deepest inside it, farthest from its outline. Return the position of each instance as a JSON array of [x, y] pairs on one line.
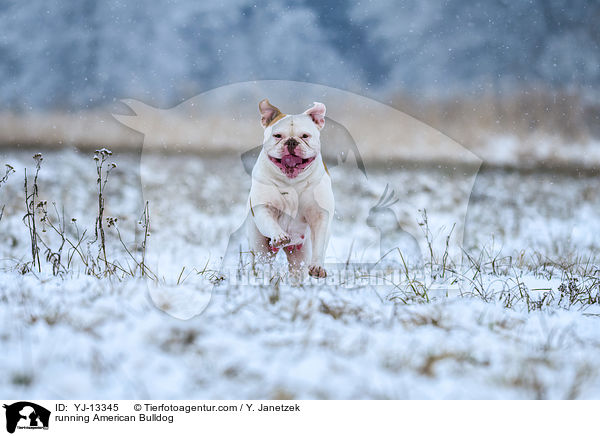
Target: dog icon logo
[[26, 415]]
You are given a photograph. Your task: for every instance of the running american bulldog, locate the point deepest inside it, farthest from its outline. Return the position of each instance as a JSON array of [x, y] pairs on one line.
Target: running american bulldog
[[291, 201]]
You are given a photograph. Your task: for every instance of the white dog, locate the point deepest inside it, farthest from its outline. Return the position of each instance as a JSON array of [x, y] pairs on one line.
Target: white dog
[[291, 201]]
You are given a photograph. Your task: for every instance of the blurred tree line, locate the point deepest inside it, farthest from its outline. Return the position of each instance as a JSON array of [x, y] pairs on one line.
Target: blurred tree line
[[75, 55]]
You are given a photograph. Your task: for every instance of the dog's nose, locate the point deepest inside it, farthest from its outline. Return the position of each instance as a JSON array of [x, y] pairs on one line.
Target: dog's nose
[[291, 144]]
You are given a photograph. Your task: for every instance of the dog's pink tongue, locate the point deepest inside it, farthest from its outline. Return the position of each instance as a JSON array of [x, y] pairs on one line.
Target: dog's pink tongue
[[290, 160]]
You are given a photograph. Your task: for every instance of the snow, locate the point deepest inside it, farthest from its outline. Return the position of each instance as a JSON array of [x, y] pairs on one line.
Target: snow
[[114, 343], [471, 336]]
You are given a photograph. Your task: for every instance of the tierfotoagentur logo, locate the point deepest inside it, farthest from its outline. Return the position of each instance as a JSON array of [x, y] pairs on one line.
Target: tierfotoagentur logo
[[25, 415], [370, 151]]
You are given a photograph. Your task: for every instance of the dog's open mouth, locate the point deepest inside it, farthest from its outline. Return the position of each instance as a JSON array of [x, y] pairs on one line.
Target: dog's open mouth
[[291, 165]]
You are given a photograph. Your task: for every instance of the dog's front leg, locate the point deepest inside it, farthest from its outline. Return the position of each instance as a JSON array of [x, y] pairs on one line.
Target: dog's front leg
[[266, 218], [319, 222]]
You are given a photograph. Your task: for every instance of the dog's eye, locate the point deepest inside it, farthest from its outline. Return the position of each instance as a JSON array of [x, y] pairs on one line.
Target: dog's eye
[[305, 136], [277, 135]]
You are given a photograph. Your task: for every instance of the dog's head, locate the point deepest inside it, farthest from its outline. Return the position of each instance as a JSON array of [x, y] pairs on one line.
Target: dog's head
[[292, 142]]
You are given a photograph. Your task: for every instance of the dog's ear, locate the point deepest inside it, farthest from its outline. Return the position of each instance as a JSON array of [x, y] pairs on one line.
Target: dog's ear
[[268, 112], [317, 113]]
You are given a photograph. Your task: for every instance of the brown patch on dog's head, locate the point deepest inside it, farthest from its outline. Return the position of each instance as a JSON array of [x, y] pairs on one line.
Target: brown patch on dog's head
[[269, 114], [277, 118]]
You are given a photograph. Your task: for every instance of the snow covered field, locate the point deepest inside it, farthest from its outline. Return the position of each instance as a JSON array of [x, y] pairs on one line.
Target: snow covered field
[[515, 316]]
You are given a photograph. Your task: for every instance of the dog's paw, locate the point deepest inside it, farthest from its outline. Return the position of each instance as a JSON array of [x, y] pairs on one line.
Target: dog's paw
[[280, 241], [317, 271]]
